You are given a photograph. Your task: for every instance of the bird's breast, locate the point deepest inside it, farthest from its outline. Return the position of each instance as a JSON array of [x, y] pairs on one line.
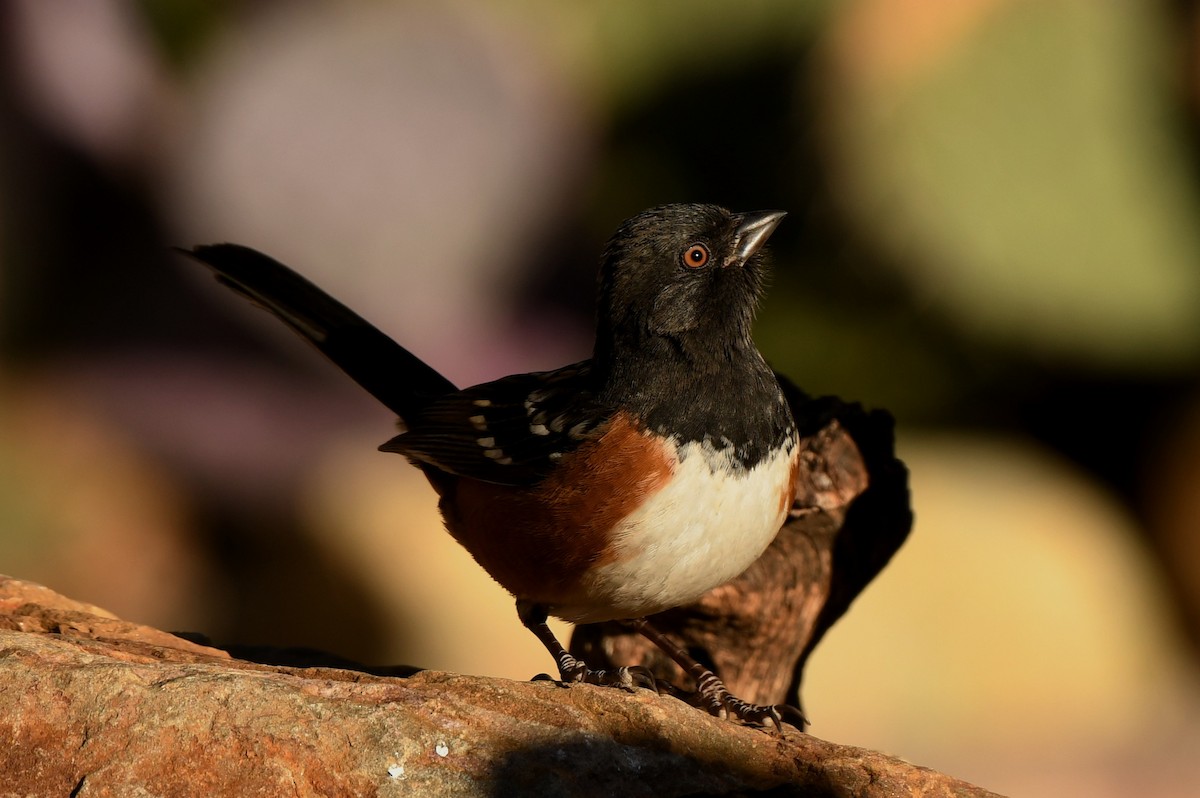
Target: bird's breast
[[628, 525], [706, 525]]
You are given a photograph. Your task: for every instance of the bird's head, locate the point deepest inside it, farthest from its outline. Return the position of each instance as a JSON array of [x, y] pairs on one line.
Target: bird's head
[[687, 277]]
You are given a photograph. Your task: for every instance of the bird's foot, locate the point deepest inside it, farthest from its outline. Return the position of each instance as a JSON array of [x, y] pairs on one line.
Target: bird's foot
[[711, 693], [574, 670], [712, 696], [570, 667]]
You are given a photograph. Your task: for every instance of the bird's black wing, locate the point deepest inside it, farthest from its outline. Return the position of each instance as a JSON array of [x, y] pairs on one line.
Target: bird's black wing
[[511, 431], [393, 375]]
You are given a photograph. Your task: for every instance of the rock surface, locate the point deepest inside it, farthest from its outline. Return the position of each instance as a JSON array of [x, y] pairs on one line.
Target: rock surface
[[91, 705]]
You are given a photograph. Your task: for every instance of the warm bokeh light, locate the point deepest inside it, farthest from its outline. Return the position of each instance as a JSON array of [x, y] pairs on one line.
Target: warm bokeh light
[[991, 233]]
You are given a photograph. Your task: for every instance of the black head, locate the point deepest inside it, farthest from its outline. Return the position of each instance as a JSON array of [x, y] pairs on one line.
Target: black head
[[682, 277]]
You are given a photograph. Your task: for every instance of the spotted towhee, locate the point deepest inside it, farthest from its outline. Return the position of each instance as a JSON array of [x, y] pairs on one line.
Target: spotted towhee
[[609, 489]]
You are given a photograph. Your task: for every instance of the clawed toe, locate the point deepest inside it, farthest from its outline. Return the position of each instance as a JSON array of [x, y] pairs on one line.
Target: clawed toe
[[711, 693], [792, 716], [770, 717], [628, 679], [713, 696], [573, 670], [642, 677]]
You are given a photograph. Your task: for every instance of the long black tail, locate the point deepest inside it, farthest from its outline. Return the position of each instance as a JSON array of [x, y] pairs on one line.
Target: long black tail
[[393, 375]]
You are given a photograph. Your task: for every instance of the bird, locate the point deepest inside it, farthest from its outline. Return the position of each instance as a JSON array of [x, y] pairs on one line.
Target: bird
[[609, 489]]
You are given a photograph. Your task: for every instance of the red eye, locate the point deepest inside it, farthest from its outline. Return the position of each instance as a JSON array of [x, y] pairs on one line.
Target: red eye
[[695, 256]]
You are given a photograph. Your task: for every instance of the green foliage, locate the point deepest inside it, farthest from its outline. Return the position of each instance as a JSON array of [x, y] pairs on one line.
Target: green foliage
[[1034, 186]]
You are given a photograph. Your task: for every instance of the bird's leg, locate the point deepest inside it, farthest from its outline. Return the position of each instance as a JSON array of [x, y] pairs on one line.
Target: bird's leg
[[713, 694], [571, 668]]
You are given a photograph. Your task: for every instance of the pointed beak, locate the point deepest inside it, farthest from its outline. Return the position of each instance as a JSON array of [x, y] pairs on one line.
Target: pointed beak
[[753, 232]]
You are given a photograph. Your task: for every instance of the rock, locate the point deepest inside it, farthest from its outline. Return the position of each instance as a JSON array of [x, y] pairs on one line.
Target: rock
[[92, 705]]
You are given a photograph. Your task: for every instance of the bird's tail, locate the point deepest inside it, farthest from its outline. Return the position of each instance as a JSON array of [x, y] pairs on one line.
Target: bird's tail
[[393, 375]]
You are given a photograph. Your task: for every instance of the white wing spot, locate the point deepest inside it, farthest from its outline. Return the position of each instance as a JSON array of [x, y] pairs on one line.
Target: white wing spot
[[494, 454], [579, 430], [478, 422], [486, 443], [482, 403], [558, 423], [505, 461], [539, 429], [555, 455]]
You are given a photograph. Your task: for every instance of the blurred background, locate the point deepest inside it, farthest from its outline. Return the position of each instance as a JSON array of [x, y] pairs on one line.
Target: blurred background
[[993, 233]]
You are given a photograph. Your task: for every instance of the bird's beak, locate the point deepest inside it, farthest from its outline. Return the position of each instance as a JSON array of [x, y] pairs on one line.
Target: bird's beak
[[753, 232]]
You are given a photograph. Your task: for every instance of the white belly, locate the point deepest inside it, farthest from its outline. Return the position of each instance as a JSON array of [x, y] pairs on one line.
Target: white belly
[[704, 528]]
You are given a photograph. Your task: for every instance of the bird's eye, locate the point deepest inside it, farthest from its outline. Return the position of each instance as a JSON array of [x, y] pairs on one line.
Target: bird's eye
[[695, 256]]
